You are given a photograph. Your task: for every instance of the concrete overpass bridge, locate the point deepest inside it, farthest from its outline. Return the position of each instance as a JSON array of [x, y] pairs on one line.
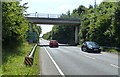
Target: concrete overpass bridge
[[56, 20]]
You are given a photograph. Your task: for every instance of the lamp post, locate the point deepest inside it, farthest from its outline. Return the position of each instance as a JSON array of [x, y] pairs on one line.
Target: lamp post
[[51, 35], [35, 14], [95, 4]]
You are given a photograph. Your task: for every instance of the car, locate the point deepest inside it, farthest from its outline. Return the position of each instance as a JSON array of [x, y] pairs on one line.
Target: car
[[53, 43], [90, 47]]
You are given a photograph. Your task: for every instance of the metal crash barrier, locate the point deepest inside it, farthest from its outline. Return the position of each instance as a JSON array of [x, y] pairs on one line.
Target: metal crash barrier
[[29, 59]]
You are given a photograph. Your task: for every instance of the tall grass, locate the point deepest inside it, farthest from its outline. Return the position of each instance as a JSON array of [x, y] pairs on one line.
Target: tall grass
[[111, 50], [13, 61]]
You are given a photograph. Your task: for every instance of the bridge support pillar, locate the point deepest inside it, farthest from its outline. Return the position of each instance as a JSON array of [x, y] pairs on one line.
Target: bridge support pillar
[[76, 34]]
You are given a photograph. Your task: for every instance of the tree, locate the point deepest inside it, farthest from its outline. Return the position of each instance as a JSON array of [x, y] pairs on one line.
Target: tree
[[100, 24], [14, 24], [116, 25], [90, 6]]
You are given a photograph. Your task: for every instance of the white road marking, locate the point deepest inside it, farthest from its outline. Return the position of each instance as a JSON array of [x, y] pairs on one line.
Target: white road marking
[[115, 66], [89, 57], [58, 68]]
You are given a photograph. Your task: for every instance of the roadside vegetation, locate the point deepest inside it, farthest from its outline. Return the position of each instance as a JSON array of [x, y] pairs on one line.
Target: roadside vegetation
[[13, 60], [61, 33], [15, 46], [100, 24], [111, 50]]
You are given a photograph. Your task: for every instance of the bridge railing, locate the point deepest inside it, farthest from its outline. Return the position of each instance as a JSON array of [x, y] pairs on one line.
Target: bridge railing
[[43, 15]]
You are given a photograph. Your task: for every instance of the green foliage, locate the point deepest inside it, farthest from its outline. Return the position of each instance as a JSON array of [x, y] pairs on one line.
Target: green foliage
[[61, 33], [64, 34], [13, 62], [37, 29], [14, 24], [100, 24], [90, 6], [14, 46], [47, 36]]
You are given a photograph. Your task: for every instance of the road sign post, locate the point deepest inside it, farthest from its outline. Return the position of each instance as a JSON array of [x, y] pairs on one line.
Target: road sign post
[[32, 37]]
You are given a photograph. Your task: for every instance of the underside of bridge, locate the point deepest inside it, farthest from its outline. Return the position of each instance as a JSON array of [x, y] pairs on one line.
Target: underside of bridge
[[58, 21]]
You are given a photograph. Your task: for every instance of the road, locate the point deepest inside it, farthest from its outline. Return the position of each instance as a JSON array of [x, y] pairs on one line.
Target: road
[[70, 60]]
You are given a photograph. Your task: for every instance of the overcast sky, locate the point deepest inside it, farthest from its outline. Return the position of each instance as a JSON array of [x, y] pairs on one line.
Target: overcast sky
[[55, 7]]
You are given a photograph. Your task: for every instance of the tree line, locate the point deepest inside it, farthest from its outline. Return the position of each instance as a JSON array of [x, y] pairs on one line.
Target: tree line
[[100, 24], [14, 24]]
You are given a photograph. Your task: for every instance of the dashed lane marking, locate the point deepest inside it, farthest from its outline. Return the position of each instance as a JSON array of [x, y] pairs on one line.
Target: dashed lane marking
[[89, 57], [114, 66]]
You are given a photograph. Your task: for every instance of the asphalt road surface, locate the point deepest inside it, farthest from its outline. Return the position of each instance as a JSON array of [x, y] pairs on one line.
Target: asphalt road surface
[[70, 60]]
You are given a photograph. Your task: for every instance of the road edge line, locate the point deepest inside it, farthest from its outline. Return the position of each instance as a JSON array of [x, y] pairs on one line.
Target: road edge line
[[58, 68]]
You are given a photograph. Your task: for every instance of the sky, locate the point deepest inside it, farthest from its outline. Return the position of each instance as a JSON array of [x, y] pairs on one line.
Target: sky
[[55, 7]]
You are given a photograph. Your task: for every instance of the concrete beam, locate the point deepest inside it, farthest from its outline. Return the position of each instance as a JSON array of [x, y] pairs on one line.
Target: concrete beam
[[54, 21]]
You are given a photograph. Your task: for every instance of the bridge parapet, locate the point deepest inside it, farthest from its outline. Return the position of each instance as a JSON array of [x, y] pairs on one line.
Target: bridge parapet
[[45, 15]]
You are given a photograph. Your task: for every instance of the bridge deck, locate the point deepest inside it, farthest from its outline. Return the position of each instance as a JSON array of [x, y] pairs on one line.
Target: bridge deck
[[54, 21]]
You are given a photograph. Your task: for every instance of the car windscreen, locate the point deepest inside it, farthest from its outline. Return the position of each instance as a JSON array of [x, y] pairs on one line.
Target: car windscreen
[[92, 44], [53, 41]]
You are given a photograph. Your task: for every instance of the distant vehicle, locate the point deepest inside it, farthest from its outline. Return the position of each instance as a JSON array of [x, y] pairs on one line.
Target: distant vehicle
[[91, 47], [53, 43]]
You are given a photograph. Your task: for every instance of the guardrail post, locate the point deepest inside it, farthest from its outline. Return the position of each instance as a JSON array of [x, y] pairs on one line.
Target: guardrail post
[[29, 59]]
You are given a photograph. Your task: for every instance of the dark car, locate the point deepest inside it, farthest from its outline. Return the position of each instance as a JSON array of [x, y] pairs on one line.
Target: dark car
[[91, 47], [53, 43]]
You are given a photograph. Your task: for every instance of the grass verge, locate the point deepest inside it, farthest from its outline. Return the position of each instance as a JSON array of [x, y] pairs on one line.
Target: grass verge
[[79, 45], [13, 61], [111, 50]]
